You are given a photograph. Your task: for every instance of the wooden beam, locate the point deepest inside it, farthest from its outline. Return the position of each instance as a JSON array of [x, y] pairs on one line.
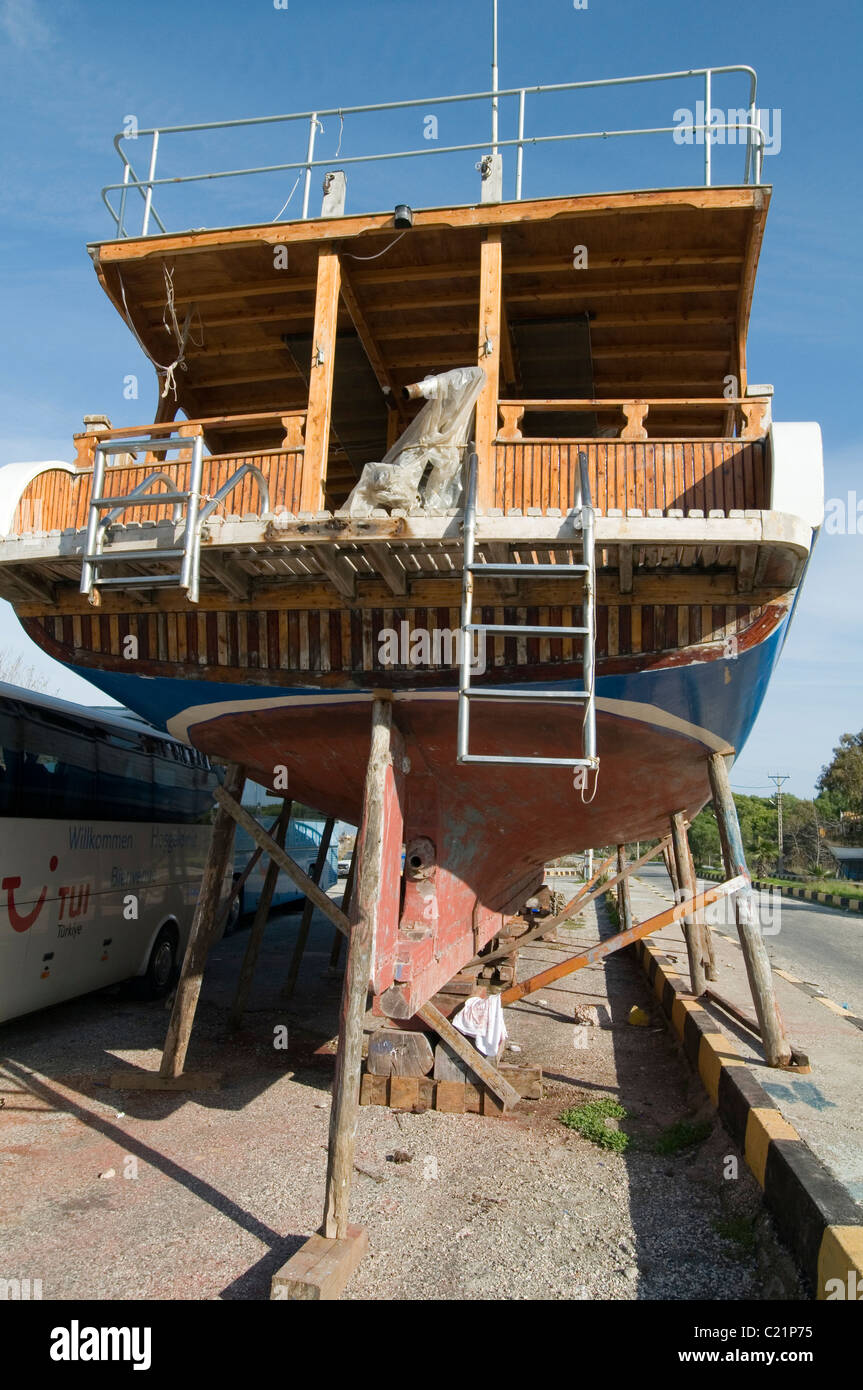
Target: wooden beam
[[337, 569], [624, 906], [308, 909], [691, 931], [378, 876], [227, 573], [394, 574], [385, 378], [306, 885], [619, 940], [776, 1045], [256, 935], [473, 1059], [202, 930], [489, 328], [321, 381]]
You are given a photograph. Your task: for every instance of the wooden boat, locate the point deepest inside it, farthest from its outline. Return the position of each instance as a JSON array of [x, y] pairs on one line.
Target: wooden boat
[[240, 604]]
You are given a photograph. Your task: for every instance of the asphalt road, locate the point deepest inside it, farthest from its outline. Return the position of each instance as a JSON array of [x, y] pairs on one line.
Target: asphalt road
[[821, 945]]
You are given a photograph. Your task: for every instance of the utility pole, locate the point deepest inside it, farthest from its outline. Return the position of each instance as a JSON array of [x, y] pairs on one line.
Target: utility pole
[[778, 778]]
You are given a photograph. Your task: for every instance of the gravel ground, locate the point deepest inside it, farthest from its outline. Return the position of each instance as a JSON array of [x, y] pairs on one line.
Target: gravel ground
[[124, 1194]]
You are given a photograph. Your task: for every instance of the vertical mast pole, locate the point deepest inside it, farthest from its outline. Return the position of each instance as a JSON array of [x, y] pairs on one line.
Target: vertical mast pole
[[494, 83]]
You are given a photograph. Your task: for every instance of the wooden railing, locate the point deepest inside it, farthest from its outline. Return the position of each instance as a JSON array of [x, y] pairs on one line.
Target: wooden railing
[[683, 474], [57, 499], [688, 475], [749, 413]]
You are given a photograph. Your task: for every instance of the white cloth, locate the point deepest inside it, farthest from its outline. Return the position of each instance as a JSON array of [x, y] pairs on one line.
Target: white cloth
[[482, 1019]]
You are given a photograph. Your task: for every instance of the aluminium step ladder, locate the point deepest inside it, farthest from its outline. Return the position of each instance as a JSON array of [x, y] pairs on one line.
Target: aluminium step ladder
[[583, 520], [187, 513]]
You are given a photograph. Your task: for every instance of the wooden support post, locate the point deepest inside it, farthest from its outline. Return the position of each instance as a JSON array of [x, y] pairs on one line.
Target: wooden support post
[[321, 381], [691, 931], [776, 1045], [308, 910], [256, 935], [671, 870], [707, 953], [202, 930], [489, 329], [618, 941], [378, 874], [624, 906]]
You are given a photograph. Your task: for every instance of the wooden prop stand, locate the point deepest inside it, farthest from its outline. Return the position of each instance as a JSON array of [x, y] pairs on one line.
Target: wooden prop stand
[[256, 935], [374, 878], [776, 1045], [707, 954], [624, 906], [691, 931], [619, 940], [308, 910], [201, 934]]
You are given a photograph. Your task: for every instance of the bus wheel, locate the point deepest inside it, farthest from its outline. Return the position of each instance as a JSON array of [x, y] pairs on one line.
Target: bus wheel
[[159, 974]]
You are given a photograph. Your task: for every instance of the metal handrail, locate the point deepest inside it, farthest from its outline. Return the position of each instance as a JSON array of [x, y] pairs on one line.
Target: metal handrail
[[755, 142]]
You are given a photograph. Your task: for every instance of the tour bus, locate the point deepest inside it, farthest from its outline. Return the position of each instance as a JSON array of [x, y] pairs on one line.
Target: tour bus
[[105, 824]]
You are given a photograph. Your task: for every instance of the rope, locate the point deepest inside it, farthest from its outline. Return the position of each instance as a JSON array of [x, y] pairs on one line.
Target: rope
[[377, 253], [169, 310]]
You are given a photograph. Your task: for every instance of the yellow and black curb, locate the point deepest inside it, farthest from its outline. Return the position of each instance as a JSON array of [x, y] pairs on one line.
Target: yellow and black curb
[[796, 890], [816, 1218]]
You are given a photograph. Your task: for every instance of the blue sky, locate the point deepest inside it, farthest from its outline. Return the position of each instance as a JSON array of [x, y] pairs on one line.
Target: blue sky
[[71, 73]]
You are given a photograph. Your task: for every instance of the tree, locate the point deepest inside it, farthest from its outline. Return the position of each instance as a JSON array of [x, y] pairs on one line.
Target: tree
[[14, 671], [843, 777]]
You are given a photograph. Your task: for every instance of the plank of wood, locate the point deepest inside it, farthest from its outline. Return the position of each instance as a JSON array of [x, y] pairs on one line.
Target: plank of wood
[[321, 1268], [477, 1064], [619, 940], [375, 881], [283, 859], [776, 1045], [201, 934]]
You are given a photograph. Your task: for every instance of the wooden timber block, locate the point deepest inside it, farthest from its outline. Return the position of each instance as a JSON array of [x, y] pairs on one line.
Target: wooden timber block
[[472, 1098], [404, 1093], [152, 1081], [450, 1096], [526, 1080], [490, 1104], [448, 1066], [398, 1052], [425, 1090], [374, 1090], [321, 1268]]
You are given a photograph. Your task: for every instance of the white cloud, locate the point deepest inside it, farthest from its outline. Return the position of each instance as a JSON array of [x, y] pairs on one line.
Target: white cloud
[[23, 24]]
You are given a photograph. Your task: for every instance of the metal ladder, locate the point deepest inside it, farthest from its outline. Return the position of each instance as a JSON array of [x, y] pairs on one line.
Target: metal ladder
[[187, 510], [584, 523]]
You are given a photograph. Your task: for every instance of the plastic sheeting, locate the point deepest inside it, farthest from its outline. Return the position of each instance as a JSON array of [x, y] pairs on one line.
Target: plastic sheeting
[[438, 437]]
